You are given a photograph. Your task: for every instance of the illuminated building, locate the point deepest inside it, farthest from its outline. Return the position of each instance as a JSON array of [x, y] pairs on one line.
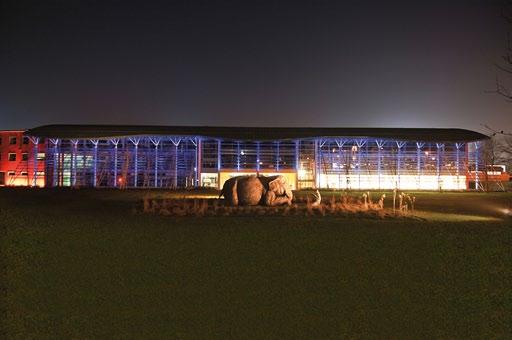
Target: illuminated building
[[21, 161], [185, 156]]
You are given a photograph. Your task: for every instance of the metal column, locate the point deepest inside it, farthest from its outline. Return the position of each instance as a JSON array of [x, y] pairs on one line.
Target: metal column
[[257, 158], [95, 162], [477, 179], [457, 162], [277, 155], [419, 145], [73, 162], [380, 145], [156, 142], [115, 142], [55, 174], [136, 142], [439, 146], [175, 142], [238, 156], [219, 161], [400, 145]]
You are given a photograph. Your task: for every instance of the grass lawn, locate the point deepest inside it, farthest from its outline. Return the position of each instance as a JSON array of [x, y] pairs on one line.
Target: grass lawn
[[84, 264]]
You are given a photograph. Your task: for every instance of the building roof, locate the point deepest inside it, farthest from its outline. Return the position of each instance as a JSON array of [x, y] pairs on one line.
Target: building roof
[[255, 133]]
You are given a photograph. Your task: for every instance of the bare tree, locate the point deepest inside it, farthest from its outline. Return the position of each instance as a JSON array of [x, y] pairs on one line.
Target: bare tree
[[504, 67], [501, 141]]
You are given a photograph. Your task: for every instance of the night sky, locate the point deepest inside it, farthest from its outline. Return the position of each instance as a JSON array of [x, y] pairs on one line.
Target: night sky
[[252, 63]]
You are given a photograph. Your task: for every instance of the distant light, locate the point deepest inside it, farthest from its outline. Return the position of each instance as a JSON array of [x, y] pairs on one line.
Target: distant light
[[242, 152]]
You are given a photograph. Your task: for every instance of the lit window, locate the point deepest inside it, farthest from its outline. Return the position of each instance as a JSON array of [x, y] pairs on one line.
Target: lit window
[[24, 156], [12, 157], [12, 140], [40, 156]]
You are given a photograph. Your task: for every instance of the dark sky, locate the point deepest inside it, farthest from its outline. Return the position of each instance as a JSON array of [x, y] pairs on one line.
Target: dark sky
[[252, 63]]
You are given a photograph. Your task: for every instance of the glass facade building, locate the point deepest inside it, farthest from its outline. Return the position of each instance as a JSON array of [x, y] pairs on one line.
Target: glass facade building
[[335, 158]]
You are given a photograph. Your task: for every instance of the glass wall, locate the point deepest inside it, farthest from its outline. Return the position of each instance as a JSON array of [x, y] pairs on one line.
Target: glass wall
[[188, 161]]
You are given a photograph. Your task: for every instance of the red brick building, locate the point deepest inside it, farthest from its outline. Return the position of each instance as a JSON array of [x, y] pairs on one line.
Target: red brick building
[[21, 159]]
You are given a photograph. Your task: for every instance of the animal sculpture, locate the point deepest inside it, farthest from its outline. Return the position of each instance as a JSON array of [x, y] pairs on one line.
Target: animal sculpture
[[257, 190]]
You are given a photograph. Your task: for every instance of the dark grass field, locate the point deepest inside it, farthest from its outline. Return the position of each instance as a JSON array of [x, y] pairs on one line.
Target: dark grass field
[[86, 264]]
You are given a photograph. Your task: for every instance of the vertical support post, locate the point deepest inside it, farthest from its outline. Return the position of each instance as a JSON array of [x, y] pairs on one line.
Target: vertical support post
[[380, 145], [219, 161], [315, 165], [477, 179], [439, 147], [156, 142], [95, 163], [378, 162], [258, 158], [136, 166], [196, 163], [318, 157], [36, 150], [156, 164], [297, 158], [400, 145], [458, 146], [219, 154], [175, 142], [73, 161], [297, 162], [398, 164], [419, 145], [359, 164], [61, 166], [115, 142], [320, 144], [176, 166], [457, 159], [359, 143], [238, 156], [55, 174], [135, 141], [277, 155], [197, 170], [115, 164], [340, 144], [296, 151]]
